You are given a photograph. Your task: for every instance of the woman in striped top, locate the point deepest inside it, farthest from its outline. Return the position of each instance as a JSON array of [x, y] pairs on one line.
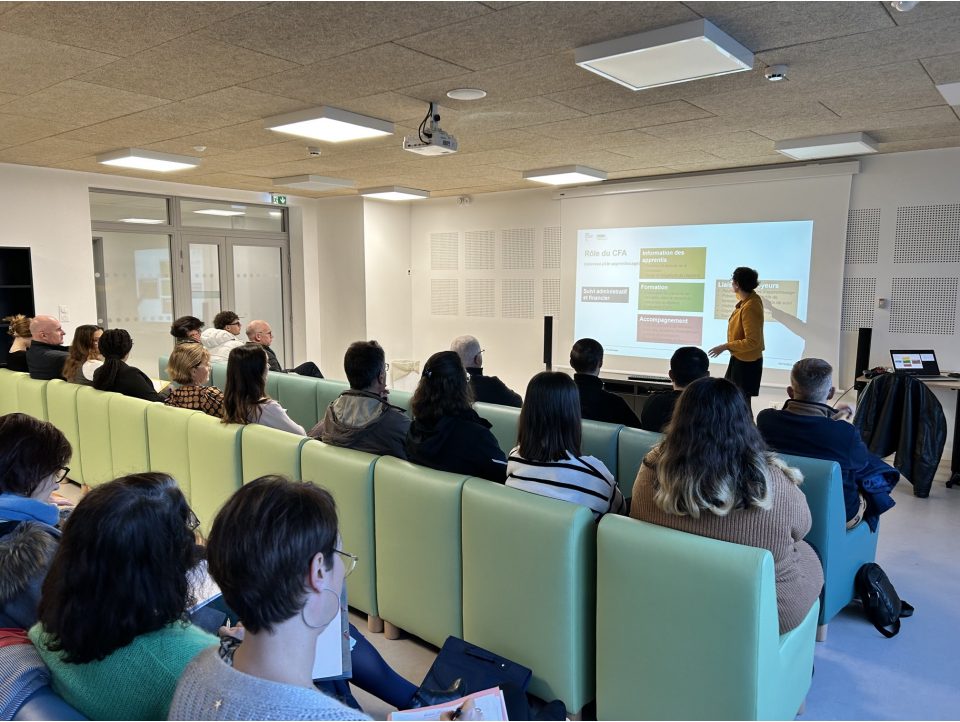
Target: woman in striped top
[[547, 460]]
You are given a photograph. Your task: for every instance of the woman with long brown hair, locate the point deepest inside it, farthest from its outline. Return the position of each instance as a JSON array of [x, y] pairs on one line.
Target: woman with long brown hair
[[245, 400], [84, 357]]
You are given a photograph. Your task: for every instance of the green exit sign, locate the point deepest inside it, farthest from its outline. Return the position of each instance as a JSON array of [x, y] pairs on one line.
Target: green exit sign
[[278, 200]]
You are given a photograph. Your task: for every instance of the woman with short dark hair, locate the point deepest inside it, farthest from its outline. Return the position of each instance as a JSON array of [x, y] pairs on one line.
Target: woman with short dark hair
[[547, 459], [245, 399], [712, 475], [115, 375], [744, 334], [446, 433], [186, 329], [84, 357]]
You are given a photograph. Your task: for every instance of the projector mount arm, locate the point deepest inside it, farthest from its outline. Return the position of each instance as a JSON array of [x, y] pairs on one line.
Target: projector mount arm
[[434, 118]]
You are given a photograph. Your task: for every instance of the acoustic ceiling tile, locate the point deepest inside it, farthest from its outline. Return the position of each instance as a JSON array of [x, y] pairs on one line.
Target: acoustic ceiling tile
[[16, 129], [50, 150], [656, 154], [924, 133], [943, 68], [800, 128], [130, 131], [80, 103], [628, 119], [891, 87], [713, 125], [395, 107], [237, 137], [30, 65], [228, 106], [479, 118], [927, 12], [233, 180], [929, 144]]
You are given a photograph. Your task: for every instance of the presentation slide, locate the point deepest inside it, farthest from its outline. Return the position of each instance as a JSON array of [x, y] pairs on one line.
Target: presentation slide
[[642, 292]]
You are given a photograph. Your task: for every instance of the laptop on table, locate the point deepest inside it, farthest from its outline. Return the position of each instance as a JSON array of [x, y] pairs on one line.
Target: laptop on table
[[919, 363]]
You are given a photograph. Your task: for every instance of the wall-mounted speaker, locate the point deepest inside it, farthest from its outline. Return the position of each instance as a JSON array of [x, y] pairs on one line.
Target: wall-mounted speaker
[[548, 342]]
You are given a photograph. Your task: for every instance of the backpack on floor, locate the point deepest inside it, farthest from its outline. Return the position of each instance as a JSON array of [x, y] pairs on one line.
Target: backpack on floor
[[882, 605]]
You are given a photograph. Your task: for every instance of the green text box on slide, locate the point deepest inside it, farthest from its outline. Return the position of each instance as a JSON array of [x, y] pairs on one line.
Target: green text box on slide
[[673, 262], [670, 297]]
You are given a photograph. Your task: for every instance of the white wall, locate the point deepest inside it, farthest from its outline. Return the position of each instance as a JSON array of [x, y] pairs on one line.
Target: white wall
[[386, 241]]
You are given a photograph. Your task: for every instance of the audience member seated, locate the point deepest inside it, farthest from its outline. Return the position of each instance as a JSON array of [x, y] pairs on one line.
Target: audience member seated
[[84, 356], [19, 328], [712, 475], [547, 460], [261, 333], [186, 329], [33, 458], [488, 389], [687, 364], [446, 433], [111, 623], [115, 375], [244, 394], [46, 355], [807, 426], [223, 337], [361, 418], [586, 358], [189, 366]]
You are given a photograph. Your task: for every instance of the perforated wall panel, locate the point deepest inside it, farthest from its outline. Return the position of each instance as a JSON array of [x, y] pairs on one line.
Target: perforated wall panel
[[551, 296], [517, 298], [480, 297], [551, 247], [863, 236], [444, 297], [479, 248], [923, 305], [445, 251], [859, 302], [927, 234], [517, 248]]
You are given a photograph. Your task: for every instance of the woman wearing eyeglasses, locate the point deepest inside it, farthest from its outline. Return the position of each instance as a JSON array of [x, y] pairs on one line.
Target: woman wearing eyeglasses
[[33, 458]]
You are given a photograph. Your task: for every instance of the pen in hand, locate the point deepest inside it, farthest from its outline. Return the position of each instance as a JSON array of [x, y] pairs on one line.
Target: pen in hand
[[457, 712]]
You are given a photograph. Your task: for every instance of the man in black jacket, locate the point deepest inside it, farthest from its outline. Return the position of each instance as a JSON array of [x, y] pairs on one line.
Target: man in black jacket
[[261, 333], [46, 355], [586, 358], [687, 364], [488, 389]]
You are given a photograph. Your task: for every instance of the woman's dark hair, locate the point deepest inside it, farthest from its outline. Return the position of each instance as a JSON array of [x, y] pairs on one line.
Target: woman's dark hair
[[30, 451], [115, 344], [746, 278], [363, 363], [712, 457], [443, 389], [243, 391], [82, 349], [261, 546], [184, 325], [550, 423], [120, 569]]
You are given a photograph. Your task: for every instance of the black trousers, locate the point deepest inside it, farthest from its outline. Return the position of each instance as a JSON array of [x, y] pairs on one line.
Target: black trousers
[[746, 376]]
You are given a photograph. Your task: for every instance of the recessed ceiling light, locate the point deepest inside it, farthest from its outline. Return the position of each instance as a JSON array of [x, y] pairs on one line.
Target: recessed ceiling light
[[466, 93], [950, 93], [395, 193], [676, 54], [565, 175], [330, 124], [148, 160], [827, 146], [275, 214], [313, 182], [219, 212], [152, 221]]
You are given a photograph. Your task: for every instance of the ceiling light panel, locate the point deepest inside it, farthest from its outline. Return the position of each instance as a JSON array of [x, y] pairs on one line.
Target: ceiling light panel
[[332, 125], [151, 221], [827, 146], [676, 54], [219, 212], [148, 160], [313, 182], [565, 175], [395, 193]]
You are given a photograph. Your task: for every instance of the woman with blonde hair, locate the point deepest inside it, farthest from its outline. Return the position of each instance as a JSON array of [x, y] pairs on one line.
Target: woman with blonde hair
[[712, 476], [20, 330], [84, 357], [189, 366]]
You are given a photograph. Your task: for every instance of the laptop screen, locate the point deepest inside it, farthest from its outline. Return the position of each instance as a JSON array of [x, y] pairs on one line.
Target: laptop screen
[[915, 362]]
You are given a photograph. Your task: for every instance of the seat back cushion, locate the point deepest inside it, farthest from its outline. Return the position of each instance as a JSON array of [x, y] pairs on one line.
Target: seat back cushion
[[93, 419], [62, 413], [215, 465], [297, 395], [129, 440], [632, 446], [168, 438], [505, 421], [270, 451], [601, 440]]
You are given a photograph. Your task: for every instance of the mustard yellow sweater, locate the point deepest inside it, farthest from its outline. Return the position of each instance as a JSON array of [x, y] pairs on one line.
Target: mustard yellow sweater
[[745, 329]]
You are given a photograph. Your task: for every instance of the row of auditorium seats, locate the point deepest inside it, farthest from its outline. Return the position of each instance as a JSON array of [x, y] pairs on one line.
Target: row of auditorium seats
[[443, 554]]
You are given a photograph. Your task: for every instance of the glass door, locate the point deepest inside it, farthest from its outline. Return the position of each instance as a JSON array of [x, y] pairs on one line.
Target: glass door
[[207, 262], [259, 290]]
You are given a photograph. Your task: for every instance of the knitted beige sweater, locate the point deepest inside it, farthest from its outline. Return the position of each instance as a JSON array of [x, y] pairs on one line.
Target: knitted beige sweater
[[779, 529]]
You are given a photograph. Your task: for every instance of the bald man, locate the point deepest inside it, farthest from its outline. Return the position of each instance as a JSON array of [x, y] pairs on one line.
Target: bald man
[[46, 354], [260, 332], [489, 389]]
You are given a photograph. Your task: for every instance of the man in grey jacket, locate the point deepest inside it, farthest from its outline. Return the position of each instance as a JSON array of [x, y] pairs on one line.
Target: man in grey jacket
[[361, 418]]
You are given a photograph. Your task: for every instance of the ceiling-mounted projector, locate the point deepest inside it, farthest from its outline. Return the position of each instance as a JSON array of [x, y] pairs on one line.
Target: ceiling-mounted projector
[[431, 139]]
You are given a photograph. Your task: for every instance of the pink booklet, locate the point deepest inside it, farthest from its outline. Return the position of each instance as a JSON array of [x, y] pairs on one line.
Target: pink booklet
[[486, 705]]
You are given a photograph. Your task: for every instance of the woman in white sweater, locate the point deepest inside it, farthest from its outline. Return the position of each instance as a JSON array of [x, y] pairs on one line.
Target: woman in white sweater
[[244, 397], [547, 459]]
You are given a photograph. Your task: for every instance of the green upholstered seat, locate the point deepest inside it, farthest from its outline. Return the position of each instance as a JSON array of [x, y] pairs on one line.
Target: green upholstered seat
[[9, 396], [417, 512], [167, 438], [129, 442], [270, 451], [528, 586], [162, 368], [297, 395], [62, 413], [687, 628], [601, 440], [401, 398], [214, 455], [327, 391], [93, 420], [218, 375], [348, 476], [273, 384], [632, 446], [505, 420], [32, 396], [842, 552]]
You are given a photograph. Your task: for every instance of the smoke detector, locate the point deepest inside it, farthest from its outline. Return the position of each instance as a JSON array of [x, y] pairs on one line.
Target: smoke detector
[[775, 73]]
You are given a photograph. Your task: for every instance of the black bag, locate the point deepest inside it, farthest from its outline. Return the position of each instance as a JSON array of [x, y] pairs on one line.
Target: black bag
[[465, 668], [880, 601]]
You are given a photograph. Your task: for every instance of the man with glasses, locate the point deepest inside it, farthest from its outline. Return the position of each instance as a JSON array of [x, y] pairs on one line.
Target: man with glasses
[[223, 337], [261, 333], [360, 418], [489, 389], [46, 355]]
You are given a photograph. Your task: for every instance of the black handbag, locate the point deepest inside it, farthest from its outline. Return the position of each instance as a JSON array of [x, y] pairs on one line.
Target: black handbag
[[880, 600]]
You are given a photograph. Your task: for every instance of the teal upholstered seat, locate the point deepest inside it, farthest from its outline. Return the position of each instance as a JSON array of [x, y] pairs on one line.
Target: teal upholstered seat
[[62, 413], [9, 396], [273, 384], [600, 440], [218, 375], [93, 420], [129, 442], [297, 395], [162, 368], [632, 446], [401, 398], [528, 586], [505, 420], [32, 396], [167, 438], [213, 451], [348, 476], [270, 451], [687, 628], [417, 514], [841, 552]]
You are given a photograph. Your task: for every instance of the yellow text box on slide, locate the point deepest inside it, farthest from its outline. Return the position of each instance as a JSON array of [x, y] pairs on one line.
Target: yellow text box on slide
[[673, 262]]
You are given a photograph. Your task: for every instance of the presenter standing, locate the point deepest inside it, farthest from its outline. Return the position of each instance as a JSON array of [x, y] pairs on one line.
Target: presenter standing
[[744, 335]]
